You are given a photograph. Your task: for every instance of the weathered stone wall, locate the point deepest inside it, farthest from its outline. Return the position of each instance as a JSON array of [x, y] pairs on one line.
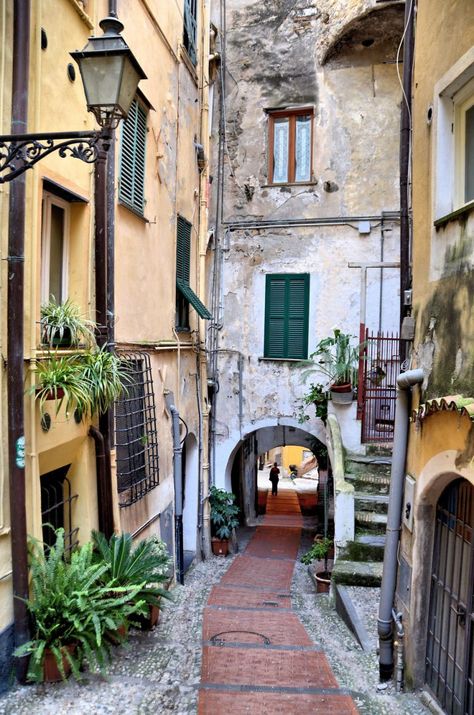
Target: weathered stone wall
[[273, 61]]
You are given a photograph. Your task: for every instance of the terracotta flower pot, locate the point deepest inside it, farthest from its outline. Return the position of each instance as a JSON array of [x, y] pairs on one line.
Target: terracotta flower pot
[[323, 581], [342, 394], [151, 620], [51, 672], [220, 547]]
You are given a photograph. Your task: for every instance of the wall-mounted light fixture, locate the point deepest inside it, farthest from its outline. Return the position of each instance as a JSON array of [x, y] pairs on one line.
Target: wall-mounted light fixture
[[110, 74]]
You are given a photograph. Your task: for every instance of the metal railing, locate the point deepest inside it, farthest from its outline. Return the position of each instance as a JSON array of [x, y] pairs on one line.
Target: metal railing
[[380, 368]]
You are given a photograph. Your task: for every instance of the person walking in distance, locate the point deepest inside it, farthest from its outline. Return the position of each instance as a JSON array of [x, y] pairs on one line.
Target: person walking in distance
[[274, 478]]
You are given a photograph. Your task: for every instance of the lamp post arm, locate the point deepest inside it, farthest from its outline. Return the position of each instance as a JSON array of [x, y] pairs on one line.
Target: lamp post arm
[[19, 152]]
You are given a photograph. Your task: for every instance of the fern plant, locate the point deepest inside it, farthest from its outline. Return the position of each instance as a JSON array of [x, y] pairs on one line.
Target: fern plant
[[72, 603]]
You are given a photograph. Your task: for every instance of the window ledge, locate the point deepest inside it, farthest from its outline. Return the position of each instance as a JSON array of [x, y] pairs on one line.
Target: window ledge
[[294, 183], [134, 211], [459, 213], [273, 359]]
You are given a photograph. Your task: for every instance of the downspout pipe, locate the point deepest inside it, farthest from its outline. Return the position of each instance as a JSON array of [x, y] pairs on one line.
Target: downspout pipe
[[178, 490], [405, 381], [101, 471], [15, 326]]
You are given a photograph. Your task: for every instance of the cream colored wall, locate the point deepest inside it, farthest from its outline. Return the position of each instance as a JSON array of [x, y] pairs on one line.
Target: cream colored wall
[[442, 288]]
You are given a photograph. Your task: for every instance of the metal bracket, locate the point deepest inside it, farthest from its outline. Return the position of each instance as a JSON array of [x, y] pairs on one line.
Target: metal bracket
[[19, 152]]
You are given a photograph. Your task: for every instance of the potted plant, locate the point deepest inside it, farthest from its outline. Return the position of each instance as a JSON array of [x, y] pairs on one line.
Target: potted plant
[[89, 382], [224, 513], [106, 376], [144, 566], [336, 358], [62, 325], [317, 395], [61, 379], [321, 549], [71, 607]]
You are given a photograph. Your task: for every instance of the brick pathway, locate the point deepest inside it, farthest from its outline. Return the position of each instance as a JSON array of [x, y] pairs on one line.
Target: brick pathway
[[257, 657]]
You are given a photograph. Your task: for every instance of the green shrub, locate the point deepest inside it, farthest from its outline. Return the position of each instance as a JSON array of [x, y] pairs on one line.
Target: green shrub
[[224, 512]]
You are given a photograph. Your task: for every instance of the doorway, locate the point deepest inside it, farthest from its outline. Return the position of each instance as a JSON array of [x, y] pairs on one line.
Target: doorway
[[450, 641]]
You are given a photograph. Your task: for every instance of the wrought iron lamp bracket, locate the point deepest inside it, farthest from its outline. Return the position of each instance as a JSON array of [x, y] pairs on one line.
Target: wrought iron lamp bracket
[[19, 152]]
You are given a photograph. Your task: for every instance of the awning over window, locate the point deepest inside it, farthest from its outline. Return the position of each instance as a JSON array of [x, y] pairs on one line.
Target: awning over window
[[188, 293]]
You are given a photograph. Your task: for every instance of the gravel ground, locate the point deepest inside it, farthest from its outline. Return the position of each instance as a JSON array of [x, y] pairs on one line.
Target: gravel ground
[[159, 671]]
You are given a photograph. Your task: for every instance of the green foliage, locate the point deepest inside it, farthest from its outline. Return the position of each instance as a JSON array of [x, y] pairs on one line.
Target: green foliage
[[318, 551], [72, 602], [106, 376], [91, 381], [317, 396], [146, 565], [60, 378], [336, 358], [64, 322], [224, 512]]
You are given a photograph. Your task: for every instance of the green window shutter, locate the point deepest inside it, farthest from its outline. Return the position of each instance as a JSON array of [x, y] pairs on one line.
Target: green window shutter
[[286, 316], [183, 249], [190, 29], [132, 159], [183, 262]]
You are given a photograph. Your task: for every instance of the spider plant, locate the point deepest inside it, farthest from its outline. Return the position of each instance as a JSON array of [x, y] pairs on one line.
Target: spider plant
[[61, 379], [62, 325], [106, 376]]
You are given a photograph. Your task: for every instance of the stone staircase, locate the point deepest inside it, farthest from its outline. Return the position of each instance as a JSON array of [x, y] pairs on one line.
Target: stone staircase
[[360, 562]]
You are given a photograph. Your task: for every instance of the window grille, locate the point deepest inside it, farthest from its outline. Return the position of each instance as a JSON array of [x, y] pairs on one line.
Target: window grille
[[190, 29], [57, 502], [135, 432], [132, 159]]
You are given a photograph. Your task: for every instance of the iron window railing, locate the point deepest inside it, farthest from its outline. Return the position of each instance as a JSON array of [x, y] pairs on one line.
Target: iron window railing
[[57, 502], [136, 434]]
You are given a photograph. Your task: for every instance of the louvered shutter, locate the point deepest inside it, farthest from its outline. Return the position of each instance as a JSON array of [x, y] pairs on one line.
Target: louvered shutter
[[286, 316], [132, 159], [183, 249], [190, 29]]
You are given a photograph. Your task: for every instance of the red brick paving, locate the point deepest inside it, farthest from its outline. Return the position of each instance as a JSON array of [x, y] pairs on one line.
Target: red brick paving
[[247, 598], [266, 666], [273, 574], [270, 624], [271, 649], [212, 702]]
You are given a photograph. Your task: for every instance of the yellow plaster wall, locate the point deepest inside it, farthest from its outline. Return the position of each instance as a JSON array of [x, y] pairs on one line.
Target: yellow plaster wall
[[437, 433], [432, 60]]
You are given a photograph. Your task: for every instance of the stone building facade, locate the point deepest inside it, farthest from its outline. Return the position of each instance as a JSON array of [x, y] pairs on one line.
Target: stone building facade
[[305, 184]]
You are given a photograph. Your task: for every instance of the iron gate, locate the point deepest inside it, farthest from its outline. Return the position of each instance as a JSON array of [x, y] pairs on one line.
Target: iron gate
[[450, 642], [378, 390]]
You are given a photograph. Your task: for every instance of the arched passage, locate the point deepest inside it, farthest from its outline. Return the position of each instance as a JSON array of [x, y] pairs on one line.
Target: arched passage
[[190, 476], [239, 465]]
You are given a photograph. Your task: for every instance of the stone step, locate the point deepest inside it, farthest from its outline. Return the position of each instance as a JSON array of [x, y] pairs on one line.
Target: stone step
[[371, 520], [371, 502], [364, 548], [357, 573], [370, 484]]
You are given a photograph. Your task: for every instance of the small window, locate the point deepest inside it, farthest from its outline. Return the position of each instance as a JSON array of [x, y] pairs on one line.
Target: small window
[[286, 316], [57, 506], [54, 249], [464, 138], [185, 296], [136, 432], [132, 159], [190, 29], [290, 146]]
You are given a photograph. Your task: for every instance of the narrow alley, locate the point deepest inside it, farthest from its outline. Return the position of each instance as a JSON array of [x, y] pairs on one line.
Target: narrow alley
[[257, 656]]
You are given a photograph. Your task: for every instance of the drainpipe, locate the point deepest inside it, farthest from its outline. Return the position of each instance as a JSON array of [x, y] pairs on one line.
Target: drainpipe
[[178, 487], [15, 325], [397, 619], [101, 474], [405, 155], [405, 381]]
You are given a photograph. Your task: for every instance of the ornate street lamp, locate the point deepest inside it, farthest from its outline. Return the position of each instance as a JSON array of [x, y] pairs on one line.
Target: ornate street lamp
[[110, 75]]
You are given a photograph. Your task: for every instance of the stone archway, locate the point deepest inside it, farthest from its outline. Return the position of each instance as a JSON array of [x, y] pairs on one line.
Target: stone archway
[[238, 470]]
